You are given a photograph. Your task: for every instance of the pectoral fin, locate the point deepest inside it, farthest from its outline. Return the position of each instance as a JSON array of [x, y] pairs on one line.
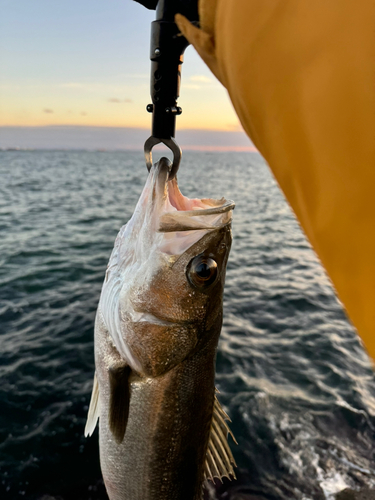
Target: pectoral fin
[[119, 400], [94, 409], [219, 459]]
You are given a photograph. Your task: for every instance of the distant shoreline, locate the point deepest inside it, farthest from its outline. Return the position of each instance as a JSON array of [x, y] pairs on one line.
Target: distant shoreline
[[116, 139], [202, 149]]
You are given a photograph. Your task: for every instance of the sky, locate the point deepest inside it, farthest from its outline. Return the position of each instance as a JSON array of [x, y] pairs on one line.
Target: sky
[[86, 63]]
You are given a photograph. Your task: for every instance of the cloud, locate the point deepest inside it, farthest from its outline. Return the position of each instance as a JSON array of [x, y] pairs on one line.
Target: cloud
[[84, 113], [198, 82], [200, 79], [47, 110], [114, 138], [116, 100], [235, 127]]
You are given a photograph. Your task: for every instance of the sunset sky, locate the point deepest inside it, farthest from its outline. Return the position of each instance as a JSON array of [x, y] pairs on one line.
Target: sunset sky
[[87, 63]]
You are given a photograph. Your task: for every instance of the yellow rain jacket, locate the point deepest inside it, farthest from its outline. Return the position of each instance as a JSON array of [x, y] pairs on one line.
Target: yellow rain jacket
[[301, 77]]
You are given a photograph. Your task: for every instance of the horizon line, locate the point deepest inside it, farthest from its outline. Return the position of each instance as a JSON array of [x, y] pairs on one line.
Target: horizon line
[[218, 149], [240, 130]]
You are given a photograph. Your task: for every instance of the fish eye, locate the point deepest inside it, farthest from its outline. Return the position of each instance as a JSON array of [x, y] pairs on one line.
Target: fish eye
[[202, 271]]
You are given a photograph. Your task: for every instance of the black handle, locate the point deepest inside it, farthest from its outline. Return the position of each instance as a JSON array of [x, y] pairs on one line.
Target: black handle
[[166, 54]]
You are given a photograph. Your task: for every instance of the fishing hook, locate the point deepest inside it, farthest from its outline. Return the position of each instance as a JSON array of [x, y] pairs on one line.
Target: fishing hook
[[172, 145]]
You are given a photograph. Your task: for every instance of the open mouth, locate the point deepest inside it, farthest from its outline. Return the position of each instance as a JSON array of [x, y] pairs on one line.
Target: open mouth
[[180, 213]]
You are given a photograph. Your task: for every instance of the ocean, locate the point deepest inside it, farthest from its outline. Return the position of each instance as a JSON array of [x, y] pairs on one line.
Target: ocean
[[291, 371]]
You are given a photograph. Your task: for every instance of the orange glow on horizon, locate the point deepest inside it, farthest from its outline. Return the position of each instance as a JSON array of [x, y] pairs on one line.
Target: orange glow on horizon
[[104, 124], [237, 149]]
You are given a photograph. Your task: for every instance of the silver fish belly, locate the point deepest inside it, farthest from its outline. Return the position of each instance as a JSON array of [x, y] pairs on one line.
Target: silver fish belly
[[162, 431]]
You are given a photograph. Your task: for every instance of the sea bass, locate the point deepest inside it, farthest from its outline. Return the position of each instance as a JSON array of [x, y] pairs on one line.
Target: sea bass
[[161, 428]]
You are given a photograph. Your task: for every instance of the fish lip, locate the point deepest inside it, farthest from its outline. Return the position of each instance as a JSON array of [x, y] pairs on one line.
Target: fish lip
[[163, 168], [221, 209]]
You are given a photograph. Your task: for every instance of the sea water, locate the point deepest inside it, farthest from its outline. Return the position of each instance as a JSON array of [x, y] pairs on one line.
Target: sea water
[[291, 371]]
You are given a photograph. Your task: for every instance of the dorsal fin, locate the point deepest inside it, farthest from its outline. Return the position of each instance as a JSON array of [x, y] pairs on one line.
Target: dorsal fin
[[219, 459], [119, 400], [94, 409]]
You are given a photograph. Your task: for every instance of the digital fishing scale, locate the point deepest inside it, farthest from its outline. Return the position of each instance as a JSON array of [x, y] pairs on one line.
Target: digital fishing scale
[[167, 48]]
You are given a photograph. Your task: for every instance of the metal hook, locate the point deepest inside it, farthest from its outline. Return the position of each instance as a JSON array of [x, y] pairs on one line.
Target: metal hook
[[171, 144]]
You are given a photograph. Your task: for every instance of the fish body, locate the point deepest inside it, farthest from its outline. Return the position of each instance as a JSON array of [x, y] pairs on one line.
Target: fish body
[[161, 428]]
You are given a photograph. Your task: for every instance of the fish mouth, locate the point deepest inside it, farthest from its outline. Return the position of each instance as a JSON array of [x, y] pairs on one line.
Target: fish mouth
[[164, 225], [178, 213]]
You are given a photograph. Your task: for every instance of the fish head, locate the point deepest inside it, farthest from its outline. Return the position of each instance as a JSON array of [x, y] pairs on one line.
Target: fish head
[[162, 296]]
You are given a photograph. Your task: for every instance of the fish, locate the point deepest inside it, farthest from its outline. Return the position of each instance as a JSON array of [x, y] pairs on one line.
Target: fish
[[162, 431]]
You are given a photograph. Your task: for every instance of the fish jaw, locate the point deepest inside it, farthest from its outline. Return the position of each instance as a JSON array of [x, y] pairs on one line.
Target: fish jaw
[[146, 287]]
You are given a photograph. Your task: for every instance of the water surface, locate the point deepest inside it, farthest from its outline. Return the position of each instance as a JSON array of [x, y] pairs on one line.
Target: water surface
[[290, 369]]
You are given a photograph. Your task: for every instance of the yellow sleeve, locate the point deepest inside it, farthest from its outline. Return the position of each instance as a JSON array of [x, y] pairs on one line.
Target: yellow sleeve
[[301, 77]]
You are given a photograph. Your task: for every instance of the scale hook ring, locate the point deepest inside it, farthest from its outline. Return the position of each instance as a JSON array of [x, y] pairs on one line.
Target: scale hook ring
[[171, 144]]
